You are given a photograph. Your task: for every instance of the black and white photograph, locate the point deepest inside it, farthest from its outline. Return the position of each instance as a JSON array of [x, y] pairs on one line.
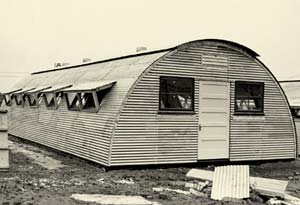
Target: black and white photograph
[[142, 102]]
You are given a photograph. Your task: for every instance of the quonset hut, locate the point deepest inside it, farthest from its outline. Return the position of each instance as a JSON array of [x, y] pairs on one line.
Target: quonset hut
[[292, 91], [202, 100]]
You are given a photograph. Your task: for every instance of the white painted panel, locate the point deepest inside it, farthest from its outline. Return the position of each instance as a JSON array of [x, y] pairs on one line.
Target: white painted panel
[[4, 159], [213, 142], [3, 140]]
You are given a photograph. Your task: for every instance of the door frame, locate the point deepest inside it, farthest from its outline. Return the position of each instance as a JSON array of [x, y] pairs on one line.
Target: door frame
[[228, 114]]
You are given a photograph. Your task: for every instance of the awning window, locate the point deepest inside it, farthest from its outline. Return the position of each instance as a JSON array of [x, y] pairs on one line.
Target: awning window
[[35, 96], [20, 96], [8, 96], [53, 96], [87, 96]]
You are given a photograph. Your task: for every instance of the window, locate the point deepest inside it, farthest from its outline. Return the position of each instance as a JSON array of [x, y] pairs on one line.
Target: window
[[89, 101], [52, 100], [249, 97], [34, 99], [176, 94], [19, 99], [74, 101], [8, 99]]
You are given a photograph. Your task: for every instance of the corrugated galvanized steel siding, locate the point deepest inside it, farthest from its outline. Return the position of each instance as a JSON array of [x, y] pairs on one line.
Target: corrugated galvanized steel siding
[[87, 135], [231, 182], [143, 136]]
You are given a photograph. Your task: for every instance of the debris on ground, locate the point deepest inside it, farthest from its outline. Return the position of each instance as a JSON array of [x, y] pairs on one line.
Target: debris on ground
[[201, 174], [230, 182], [125, 181], [161, 189], [27, 182], [268, 187], [111, 199]]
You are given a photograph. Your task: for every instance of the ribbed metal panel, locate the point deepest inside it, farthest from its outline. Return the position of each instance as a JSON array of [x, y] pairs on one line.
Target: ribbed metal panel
[[231, 182], [87, 135], [146, 137]]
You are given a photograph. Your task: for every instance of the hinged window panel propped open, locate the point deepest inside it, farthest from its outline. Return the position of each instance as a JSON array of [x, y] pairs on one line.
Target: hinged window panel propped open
[[8, 96], [35, 96], [53, 95], [20, 96], [87, 96]]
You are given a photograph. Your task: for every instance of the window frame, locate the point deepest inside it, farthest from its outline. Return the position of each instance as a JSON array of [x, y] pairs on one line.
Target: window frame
[[174, 110], [81, 106], [22, 101], [33, 96], [249, 112], [10, 102], [55, 96]]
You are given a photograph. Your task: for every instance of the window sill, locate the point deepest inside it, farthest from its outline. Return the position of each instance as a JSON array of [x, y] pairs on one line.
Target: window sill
[[176, 112], [249, 113]]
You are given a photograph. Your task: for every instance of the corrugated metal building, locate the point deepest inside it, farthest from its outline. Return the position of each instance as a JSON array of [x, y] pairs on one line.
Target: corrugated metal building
[[292, 91], [202, 100]]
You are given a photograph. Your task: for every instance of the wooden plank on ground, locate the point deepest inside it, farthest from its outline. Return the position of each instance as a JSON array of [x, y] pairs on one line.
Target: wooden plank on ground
[[269, 187], [201, 174], [111, 199]]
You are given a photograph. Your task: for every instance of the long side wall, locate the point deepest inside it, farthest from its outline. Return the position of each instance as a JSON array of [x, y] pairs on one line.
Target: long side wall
[[83, 134], [143, 136]]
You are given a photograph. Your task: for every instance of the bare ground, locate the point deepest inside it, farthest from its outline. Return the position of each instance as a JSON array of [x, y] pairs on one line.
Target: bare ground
[[31, 179]]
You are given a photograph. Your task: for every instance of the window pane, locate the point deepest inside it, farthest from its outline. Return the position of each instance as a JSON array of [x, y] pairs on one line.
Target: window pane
[[7, 98], [249, 97], [58, 97], [242, 104], [74, 100], [40, 97], [176, 101], [242, 90], [176, 93], [19, 99], [50, 99], [87, 100], [255, 90]]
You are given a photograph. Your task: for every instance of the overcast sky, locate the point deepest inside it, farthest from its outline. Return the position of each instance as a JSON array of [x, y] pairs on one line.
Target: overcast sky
[[35, 34]]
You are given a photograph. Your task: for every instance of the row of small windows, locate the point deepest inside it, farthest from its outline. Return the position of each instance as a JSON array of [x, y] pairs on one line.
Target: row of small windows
[[176, 94], [79, 101]]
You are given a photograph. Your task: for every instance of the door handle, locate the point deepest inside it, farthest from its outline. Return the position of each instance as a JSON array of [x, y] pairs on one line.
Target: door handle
[[200, 127]]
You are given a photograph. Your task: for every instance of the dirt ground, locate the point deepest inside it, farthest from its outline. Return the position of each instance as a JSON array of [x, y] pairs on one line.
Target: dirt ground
[[31, 179]]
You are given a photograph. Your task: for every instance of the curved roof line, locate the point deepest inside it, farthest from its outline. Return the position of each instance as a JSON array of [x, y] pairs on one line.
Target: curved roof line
[[226, 42], [220, 41]]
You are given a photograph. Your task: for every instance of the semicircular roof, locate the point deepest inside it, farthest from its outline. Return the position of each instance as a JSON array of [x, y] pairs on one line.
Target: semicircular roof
[[130, 66]]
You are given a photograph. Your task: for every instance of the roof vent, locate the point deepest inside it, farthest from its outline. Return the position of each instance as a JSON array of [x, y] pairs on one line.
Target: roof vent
[[57, 65], [86, 60], [140, 48]]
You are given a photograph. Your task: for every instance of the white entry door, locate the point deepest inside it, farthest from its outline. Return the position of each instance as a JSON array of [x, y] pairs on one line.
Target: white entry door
[[214, 108]]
